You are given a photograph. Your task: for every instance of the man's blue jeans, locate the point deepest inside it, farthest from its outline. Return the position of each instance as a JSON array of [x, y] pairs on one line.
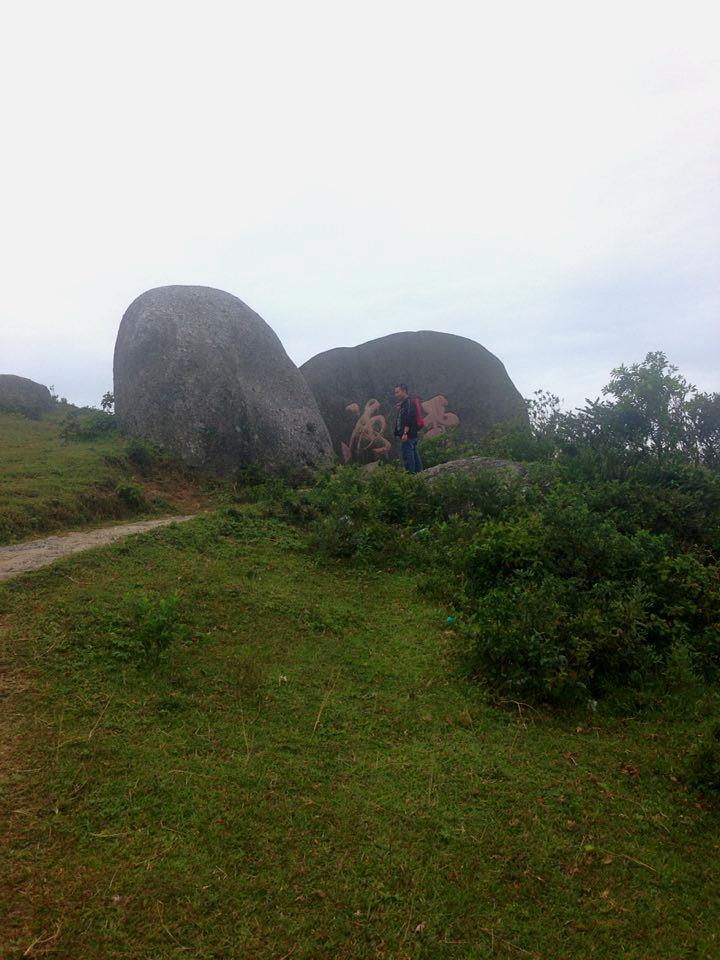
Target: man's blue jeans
[[410, 456]]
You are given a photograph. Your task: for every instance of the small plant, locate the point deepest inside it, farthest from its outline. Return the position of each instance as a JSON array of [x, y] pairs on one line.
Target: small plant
[[141, 453], [156, 624], [131, 495]]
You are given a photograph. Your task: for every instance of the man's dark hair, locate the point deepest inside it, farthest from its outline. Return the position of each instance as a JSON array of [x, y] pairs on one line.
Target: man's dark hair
[[402, 386]]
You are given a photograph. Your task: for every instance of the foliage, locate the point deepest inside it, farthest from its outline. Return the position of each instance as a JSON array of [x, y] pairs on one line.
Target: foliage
[[131, 494], [141, 453], [108, 402], [156, 623], [48, 485], [87, 424], [702, 416], [586, 577], [25, 410], [681, 500], [649, 413], [386, 515], [562, 605], [310, 754]]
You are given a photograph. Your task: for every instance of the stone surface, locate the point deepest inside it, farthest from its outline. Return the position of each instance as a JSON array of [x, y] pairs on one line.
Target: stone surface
[[20, 395], [461, 384], [199, 372], [472, 465]]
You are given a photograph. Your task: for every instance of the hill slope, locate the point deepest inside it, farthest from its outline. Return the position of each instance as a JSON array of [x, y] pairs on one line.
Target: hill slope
[[48, 484], [307, 775]]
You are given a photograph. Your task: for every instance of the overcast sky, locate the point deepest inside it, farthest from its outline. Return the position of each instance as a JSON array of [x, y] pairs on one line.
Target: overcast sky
[[541, 177]]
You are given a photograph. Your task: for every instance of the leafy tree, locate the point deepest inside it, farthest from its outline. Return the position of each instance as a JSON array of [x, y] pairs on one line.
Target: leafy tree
[[649, 412], [544, 412], [703, 428]]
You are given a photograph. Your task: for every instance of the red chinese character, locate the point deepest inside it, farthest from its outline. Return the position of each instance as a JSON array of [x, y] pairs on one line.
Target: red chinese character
[[367, 438], [437, 418]]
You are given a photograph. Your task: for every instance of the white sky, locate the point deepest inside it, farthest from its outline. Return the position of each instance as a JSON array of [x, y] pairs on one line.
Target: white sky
[[542, 177]]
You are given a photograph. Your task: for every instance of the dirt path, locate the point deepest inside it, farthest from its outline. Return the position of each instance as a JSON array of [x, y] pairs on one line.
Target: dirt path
[[22, 557]]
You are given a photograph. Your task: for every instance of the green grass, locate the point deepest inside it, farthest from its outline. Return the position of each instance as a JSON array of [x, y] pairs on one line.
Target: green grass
[[308, 775], [47, 484]]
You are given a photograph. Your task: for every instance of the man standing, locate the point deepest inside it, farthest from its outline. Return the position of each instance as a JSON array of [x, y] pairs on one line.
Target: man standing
[[406, 427]]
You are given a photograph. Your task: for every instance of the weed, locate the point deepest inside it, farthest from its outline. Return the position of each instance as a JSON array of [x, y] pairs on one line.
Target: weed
[[141, 453], [156, 623], [131, 495]]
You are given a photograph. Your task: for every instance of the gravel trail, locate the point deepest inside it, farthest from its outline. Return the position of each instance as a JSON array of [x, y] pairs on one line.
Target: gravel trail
[[20, 558]]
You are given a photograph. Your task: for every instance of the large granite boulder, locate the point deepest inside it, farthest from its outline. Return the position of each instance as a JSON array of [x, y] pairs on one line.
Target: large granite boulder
[[20, 395], [199, 372], [461, 385]]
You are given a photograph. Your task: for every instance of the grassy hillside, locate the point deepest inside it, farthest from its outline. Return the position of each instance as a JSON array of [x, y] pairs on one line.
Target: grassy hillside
[[48, 484], [306, 773], [263, 734]]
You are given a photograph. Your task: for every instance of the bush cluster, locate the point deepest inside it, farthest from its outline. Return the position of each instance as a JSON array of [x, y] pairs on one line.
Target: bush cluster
[[390, 516], [143, 454], [565, 589], [131, 495], [563, 605], [87, 424], [598, 571]]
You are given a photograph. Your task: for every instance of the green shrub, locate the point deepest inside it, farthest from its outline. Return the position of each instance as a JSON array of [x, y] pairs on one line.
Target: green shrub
[[28, 411], [561, 537], [351, 512], [87, 424], [141, 453], [343, 537], [508, 441], [686, 607], [156, 623], [591, 576], [681, 500], [544, 641], [131, 495], [560, 604]]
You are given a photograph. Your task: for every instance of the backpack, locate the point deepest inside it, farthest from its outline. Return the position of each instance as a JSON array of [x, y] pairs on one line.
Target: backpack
[[419, 413]]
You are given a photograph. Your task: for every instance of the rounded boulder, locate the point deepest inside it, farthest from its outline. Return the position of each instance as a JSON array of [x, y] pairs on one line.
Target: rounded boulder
[[200, 373], [20, 395], [461, 386]]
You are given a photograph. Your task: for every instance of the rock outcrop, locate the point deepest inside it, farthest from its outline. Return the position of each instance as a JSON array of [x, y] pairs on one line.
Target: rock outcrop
[[461, 385], [199, 372], [472, 465], [20, 395]]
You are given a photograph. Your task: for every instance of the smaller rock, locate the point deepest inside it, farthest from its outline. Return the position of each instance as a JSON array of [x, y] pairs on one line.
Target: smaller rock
[[472, 465], [20, 395]]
